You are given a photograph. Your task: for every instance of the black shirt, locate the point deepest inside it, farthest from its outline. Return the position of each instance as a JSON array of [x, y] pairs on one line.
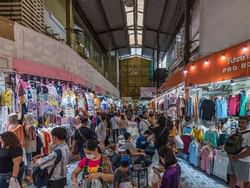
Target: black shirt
[[161, 135], [86, 133], [6, 156]]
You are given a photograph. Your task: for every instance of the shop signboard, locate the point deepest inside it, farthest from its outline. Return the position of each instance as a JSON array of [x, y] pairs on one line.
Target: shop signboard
[[148, 92]]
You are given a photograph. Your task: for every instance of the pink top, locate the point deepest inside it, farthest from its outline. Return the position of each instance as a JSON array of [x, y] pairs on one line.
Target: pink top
[[207, 155], [233, 105]]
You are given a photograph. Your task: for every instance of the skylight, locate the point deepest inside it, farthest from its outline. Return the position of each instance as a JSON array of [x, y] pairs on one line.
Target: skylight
[[135, 25]]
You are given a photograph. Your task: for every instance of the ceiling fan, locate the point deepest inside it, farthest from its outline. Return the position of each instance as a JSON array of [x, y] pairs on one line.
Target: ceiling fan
[[129, 3]]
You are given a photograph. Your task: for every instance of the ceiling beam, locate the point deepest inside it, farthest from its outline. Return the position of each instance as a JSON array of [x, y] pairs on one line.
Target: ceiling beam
[[124, 19], [107, 23], [88, 25], [132, 29]]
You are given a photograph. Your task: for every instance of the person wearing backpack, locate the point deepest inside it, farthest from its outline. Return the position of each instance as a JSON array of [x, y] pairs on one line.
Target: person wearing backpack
[[95, 166], [239, 164], [82, 134], [55, 163]]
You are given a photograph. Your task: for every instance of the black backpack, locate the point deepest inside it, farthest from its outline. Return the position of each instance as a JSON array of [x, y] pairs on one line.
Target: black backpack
[[233, 144], [40, 176]]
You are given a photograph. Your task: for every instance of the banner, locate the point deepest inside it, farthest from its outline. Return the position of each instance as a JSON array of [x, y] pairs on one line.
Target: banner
[[148, 92]]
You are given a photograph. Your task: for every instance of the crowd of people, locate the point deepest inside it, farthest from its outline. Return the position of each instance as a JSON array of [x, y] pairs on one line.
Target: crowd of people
[[107, 148]]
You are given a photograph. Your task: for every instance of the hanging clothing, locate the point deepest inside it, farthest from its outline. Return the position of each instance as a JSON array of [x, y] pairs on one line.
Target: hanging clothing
[[207, 109], [207, 156], [211, 137], [7, 98], [221, 108], [19, 132], [193, 150], [243, 103], [197, 134], [233, 105], [186, 140], [221, 161]]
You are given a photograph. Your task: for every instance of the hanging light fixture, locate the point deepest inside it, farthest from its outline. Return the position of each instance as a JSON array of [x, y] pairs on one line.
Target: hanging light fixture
[[245, 49], [185, 71], [206, 62], [223, 57]]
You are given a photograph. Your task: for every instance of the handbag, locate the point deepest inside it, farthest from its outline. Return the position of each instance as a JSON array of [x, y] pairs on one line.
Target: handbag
[[14, 183], [40, 176]]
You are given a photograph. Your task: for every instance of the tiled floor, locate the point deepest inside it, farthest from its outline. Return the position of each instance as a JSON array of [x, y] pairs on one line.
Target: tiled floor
[[194, 178]]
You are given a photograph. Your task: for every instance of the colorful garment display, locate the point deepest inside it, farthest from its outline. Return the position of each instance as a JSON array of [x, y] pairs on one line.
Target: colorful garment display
[[221, 108], [194, 153], [207, 157]]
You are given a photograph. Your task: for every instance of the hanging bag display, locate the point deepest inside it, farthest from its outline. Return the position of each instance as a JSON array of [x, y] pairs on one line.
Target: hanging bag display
[[233, 144], [40, 176]]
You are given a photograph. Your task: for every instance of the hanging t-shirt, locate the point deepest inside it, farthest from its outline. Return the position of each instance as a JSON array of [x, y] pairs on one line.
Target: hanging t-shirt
[[221, 108], [7, 98], [207, 109], [211, 137], [243, 103], [233, 104], [197, 134], [52, 91]]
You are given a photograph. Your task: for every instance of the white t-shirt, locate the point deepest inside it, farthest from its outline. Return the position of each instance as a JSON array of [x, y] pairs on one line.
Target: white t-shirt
[[114, 122], [246, 143]]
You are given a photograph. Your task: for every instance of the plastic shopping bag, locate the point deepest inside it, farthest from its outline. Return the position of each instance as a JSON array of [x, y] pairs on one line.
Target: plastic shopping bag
[[14, 183]]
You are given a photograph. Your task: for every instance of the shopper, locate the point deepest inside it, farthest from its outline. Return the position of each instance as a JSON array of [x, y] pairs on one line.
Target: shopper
[[115, 127], [82, 134], [122, 175], [94, 166], [123, 124], [30, 143], [16, 128], [144, 124], [172, 174], [239, 165], [58, 177], [144, 142], [160, 131], [138, 155], [132, 127], [78, 121], [11, 165], [101, 131]]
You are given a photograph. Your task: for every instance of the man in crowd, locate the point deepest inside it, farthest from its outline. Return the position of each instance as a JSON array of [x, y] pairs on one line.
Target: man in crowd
[[82, 134], [144, 142], [239, 165], [144, 124], [114, 125], [58, 177]]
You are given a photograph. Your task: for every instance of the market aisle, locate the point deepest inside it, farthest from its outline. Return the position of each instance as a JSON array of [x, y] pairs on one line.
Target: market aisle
[[194, 178]]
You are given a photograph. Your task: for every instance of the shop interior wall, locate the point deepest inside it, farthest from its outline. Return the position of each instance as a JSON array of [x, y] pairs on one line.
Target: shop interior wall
[[134, 73], [223, 23]]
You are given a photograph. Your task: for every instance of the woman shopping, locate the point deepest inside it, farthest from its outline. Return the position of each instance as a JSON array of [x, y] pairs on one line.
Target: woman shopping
[[11, 165], [172, 172], [96, 168]]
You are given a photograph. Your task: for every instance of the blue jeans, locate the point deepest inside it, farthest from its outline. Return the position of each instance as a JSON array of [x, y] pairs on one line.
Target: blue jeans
[[4, 177]]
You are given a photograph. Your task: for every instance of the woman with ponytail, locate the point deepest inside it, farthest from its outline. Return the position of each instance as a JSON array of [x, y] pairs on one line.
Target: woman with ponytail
[[172, 173]]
